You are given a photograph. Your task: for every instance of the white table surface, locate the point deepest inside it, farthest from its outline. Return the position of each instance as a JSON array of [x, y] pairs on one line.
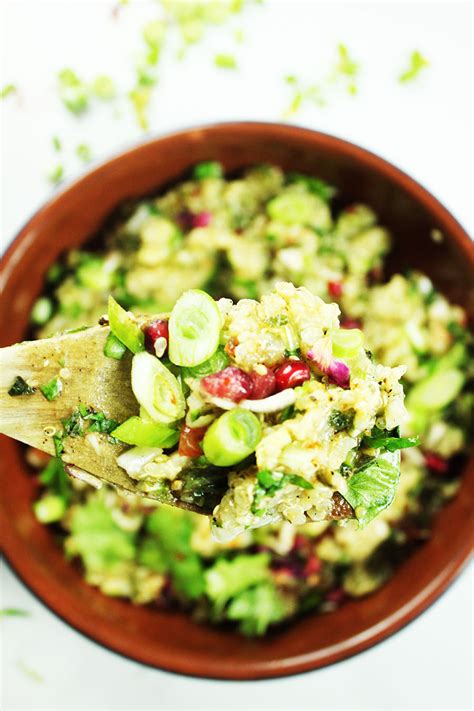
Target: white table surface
[[425, 128]]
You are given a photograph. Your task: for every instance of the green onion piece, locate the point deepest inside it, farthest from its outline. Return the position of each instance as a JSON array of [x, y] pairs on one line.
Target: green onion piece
[[56, 143], [232, 437], [156, 389], [194, 328], [20, 387], [417, 63], [104, 88], [84, 152], [214, 364], [137, 431], [50, 508], [225, 61], [435, 392], [113, 348], [52, 390], [7, 90], [56, 174], [208, 169], [72, 91], [346, 343], [125, 328]]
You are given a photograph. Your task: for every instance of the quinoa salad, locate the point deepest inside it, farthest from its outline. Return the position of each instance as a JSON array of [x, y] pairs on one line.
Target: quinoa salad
[[279, 372]]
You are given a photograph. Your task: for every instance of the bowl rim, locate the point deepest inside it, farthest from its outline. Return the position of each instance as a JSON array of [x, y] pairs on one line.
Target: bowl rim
[[359, 641]]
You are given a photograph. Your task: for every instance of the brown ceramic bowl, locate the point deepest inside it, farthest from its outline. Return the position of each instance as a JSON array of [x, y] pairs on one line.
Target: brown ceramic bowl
[[172, 640]]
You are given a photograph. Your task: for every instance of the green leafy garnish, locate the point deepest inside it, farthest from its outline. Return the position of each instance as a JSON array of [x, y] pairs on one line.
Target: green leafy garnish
[[13, 612], [168, 550], [83, 152], [372, 486], [72, 91], [416, 64], [56, 174], [225, 61], [341, 420], [104, 88], [257, 608], [389, 440], [227, 578], [53, 389], [20, 387], [56, 143], [7, 90], [346, 68], [268, 483]]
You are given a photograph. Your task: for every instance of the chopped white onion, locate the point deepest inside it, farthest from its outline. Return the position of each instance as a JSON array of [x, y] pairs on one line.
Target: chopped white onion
[[272, 403], [134, 459]]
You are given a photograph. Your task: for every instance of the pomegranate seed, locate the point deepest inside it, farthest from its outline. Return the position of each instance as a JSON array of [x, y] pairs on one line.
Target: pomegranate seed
[[300, 542], [202, 219], [291, 374], [351, 323], [154, 331], [231, 383], [190, 441], [185, 219], [313, 565], [436, 463], [375, 275], [336, 595], [263, 385], [335, 289]]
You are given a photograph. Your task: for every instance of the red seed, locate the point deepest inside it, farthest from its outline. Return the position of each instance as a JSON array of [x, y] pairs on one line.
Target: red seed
[[351, 323], [436, 463], [202, 219], [335, 289], [190, 441], [313, 566], [231, 383], [263, 385], [154, 330], [336, 595], [291, 374]]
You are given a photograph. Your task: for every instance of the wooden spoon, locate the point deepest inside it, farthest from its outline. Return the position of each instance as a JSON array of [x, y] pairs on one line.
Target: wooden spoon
[[91, 379]]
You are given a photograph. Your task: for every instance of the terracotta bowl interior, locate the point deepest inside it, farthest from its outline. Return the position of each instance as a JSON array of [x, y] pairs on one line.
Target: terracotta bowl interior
[[171, 640]]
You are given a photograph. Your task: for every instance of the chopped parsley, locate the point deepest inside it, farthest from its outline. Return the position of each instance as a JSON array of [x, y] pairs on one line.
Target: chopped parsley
[[56, 174], [81, 421], [311, 93], [346, 68], [315, 185], [53, 389], [268, 483], [416, 65], [340, 421], [13, 612], [55, 479], [389, 440], [84, 153], [20, 387]]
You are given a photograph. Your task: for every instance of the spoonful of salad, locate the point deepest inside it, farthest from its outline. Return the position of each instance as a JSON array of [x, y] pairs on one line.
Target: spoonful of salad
[[251, 412]]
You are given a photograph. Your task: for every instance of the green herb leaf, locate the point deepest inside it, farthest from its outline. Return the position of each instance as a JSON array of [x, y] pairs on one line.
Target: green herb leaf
[[20, 387], [83, 152], [55, 479], [56, 143], [315, 185], [53, 389], [389, 440], [72, 91], [372, 487], [341, 420], [268, 483], [56, 174], [207, 169], [416, 64]]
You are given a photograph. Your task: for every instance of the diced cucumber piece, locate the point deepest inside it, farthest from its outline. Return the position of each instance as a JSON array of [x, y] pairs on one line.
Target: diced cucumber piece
[[294, 207], [125, 328], [194, 328], [435, 392], [207, 169], [156, 389], [146, 434]]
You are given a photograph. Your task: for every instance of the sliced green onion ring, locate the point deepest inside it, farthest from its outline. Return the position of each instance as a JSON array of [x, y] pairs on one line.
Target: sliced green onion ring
[[194, 329], [137, 431], [125, 328], [347, 342], [156, 389], [232, 437]]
